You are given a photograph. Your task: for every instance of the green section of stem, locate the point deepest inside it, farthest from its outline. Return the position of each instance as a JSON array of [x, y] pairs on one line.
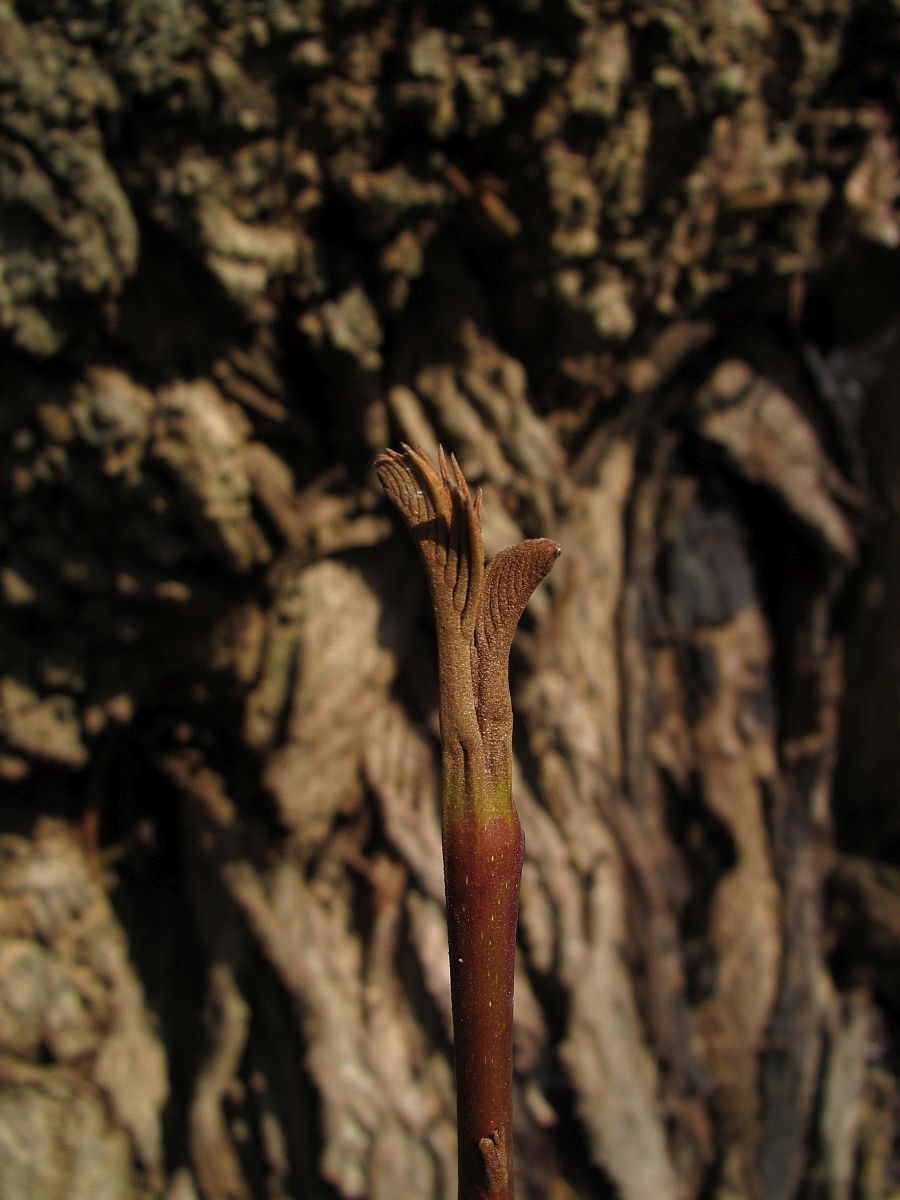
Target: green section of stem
[[475, 796]]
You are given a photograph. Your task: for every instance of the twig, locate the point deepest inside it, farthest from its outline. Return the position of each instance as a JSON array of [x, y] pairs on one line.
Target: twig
[[476, 612]]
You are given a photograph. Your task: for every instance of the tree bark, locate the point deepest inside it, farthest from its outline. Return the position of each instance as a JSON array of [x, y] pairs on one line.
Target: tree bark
[[638, 271]]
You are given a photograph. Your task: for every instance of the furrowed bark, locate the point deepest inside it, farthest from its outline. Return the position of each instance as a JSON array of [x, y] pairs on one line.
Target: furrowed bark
[[476, 614]]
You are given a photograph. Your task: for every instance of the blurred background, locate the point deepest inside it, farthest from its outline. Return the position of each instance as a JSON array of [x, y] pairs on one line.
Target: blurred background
[[637, 266]]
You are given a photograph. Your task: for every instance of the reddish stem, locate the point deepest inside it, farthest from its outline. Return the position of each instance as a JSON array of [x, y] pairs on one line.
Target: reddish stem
[[483, 868]]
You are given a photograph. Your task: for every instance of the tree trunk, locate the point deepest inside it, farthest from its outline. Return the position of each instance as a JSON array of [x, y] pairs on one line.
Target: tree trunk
[[639, 272]]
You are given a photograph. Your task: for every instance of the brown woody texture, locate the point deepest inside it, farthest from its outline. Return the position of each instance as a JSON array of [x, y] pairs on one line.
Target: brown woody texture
[[637, 267]]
